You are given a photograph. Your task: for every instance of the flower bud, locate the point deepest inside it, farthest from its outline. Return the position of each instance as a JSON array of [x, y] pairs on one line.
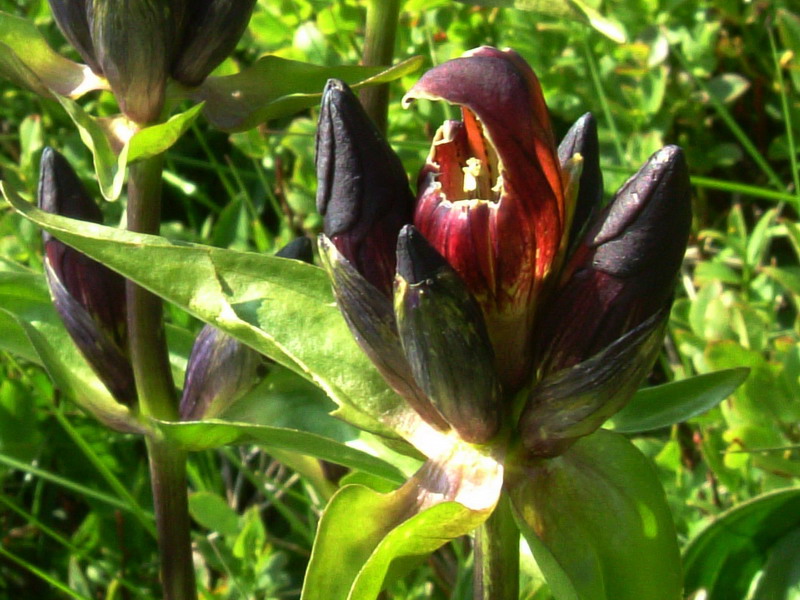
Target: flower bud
[[211, 30], [363, 192], [581, 139], [70, 16], [624, 269], [89, 297], [134, 45], [491, 198], [219, 372], [221, 369], [370, 317], [445, 340]]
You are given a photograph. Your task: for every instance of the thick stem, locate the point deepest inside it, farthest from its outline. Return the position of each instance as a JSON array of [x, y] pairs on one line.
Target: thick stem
[[156, 395], [497, 556], [168, 479], [148, 346], [382, 18]]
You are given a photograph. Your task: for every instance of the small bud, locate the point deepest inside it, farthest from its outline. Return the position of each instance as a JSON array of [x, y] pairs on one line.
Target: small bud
[[219, 372], [363, 192], [221, 369], [70, 16], [445, 340], [89, 297], [582, 139], [134, 45], [624, 269], [211, 30]]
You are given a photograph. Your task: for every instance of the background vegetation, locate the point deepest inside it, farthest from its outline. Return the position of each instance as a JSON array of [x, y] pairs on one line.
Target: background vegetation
[[721, 78]]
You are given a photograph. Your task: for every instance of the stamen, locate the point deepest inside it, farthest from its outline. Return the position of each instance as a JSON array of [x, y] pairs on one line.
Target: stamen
[[471, 174]]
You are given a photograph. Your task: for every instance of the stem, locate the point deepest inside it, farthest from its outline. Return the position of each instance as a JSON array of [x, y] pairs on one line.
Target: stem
[[168, 479], [156, 394], [382, 18], [148, 346], [496, 575]]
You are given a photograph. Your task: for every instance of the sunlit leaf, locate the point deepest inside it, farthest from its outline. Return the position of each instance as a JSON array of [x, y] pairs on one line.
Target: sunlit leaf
[[598, 523]]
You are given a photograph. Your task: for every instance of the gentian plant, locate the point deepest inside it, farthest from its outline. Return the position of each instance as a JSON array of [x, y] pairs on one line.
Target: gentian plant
[[512, 311]]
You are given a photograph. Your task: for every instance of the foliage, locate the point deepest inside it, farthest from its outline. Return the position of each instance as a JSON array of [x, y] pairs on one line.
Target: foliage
[[75, 507]]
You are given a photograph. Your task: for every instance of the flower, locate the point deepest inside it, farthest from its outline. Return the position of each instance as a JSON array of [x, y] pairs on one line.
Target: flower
[[89, 297], [523, 314], [138, 44]]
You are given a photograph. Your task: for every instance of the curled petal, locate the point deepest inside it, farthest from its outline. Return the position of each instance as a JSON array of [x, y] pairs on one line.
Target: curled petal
[[445, 340], [577, 400], [624, 269], [363, 192], [491, 199]]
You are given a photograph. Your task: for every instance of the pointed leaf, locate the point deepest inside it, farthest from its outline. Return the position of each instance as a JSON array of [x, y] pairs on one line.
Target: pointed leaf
[[446, 498], [213, 433], [261, 300], [671, 403], [115, 147], [274, 87], [598, 523], [26, 59]]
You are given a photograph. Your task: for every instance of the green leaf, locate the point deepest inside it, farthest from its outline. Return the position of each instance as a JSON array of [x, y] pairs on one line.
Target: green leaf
[[212, 512], [214, 433], [27, 60], [274, 87], [665, 405], [781, 577], [577, 10], [724, 558], [282, 308], [116, 143], [365, 537], [597, 522]]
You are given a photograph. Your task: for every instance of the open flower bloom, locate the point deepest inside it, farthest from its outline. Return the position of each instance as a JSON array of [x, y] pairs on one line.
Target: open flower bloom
[[503, 302]]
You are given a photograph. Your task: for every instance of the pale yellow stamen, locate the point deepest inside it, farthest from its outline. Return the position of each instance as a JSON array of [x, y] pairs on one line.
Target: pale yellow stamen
[[471, 174]]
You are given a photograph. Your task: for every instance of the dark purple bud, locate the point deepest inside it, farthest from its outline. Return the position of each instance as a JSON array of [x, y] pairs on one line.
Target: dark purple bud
[[370, 317], [134, 42], [445, 340], [582, 139], [298, 249], [211, 30], [363, 192], [576, 401], [624, 270], [219, 372], [70, 16], [89, 297]]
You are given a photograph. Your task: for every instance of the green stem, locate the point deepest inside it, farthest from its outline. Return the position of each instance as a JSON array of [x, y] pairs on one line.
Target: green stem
[[156, 394], [168, 478], [382, 19], [497, 556], [148, 346]]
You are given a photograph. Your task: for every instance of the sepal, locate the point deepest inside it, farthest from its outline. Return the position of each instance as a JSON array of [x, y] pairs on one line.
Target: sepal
[[445, 340], [577, 400]]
